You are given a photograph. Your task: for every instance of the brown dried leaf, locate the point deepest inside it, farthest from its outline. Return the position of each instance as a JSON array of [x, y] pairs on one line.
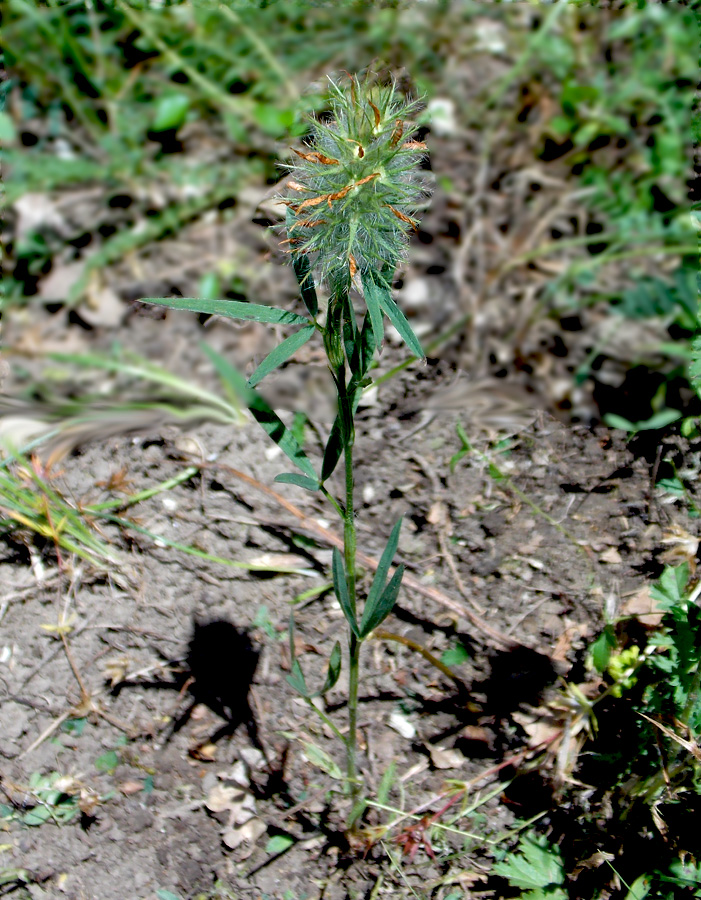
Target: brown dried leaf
[[446, 758], [643, 608], [312, 201], [131, 787], [316, 157], [397, 133]]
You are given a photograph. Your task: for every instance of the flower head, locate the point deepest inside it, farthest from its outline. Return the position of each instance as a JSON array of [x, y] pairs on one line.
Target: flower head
[[358, 182]]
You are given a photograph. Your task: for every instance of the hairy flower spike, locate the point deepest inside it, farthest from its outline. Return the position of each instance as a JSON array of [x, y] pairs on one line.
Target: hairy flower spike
[[363, 184]]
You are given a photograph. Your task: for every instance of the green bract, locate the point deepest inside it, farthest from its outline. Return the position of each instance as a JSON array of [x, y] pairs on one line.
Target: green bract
[[359, 183]]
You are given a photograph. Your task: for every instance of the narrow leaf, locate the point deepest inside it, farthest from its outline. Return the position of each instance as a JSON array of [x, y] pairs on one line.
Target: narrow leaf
[[399, 320], [262, 413], [309, 484], [296, 677], [341, 589], [281, 354], [375, 615], [334, 671], [321, 759], [380, 578], [232, 309], [303, 271], [350, 328], [372, 292], [365, 350], [333, 450]]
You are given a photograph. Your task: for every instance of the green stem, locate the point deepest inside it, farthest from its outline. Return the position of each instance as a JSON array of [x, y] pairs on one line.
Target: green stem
[[325, 719], [349, 552], [340, 309]]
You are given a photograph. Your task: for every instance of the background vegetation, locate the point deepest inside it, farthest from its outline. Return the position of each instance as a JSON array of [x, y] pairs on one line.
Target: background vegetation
[[158, 114]]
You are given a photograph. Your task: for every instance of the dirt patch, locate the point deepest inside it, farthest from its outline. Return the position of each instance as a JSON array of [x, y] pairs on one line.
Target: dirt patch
[[534, 553]]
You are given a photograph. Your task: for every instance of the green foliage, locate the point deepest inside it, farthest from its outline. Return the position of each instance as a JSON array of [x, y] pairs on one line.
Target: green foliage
[[49, 798], [695, 364], [678, 652], [661, 682], [536, 867]]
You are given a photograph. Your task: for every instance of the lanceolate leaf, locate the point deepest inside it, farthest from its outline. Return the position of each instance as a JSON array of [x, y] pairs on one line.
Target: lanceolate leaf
[[281, 353], [262, 413], [232, 309], [376, 614], [398, 319], [333, 450], [296, 676], [341, 589], [303, 271], [380, 578], [300, 480], [372, 292], [334, 445], [296, 679], [375, 603], [334, 669], [363, 352]]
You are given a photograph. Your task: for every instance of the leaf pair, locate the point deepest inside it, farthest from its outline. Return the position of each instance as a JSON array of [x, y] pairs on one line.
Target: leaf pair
[[382, 596], [296, 677]]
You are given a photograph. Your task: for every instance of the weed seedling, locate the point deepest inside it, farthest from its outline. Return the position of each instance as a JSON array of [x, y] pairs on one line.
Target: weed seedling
[[356, 187]]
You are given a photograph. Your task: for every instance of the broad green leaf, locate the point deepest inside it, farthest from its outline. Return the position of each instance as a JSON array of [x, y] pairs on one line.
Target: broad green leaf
[[341, 590], [601, 649], [309, 484], [538, 865], [670, 590], [378, 583], [231, 309], [321, 759], [455, 656], [281, 354], [278, 843], [372, 292], [167, 895], [262, 413], [171, 112], [375, 615], [334, 671], [108, 762], [640, 888], [37, 816], [399, 320]]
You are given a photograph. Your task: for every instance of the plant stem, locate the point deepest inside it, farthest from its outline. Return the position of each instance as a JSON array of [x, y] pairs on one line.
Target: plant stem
[[349, 551], [340, 308]]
